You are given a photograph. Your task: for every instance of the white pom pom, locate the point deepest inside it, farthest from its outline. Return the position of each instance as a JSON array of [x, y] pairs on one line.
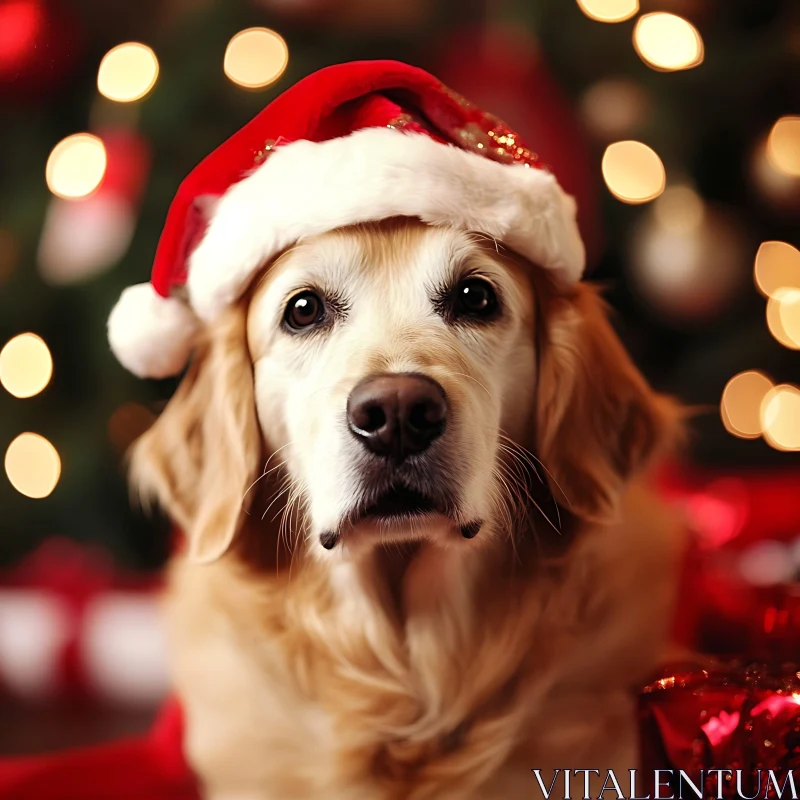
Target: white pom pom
[[152, 336]]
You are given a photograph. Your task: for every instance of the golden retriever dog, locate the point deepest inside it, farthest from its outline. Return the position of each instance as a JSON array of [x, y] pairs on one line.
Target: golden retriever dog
[[422, 559]]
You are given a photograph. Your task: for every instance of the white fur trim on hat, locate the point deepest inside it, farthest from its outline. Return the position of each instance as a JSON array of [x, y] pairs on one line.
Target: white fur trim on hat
[[152, 336], [306, 188]]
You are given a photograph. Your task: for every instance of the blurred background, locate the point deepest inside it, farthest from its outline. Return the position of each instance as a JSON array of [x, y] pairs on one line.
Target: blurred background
[[676, 123]]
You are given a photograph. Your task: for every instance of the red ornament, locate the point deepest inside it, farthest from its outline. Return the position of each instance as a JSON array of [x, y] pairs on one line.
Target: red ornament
[[39, 43], [20, 26]]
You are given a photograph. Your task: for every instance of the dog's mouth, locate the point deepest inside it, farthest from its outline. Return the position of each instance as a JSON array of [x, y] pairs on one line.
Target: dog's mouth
[[398, 506], [398, 503]]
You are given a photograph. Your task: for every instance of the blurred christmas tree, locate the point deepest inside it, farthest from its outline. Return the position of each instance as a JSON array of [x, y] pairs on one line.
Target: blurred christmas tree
[[679, 267]]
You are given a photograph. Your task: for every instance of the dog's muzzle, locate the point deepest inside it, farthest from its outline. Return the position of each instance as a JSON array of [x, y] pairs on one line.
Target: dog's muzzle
[[396, 419]]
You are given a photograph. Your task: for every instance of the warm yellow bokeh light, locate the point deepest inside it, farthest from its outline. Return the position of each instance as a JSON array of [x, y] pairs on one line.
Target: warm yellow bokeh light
[[780, 417], [667, 42], [25, 365], [777, 267], [783, 146], [76, 166], [633, 172], [774, 185], [32, 465], [127, 72], [609, 10], [789, 310], [783, 317], [613, 108], [680, 209], [740, 407], [256, 57]]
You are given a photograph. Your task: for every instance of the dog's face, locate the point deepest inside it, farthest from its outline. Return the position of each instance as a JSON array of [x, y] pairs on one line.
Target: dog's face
[[407, 381], [389, 362]]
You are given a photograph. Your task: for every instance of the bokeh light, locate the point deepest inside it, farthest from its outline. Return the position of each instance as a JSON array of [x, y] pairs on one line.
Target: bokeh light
[[789, 310], [777, 267], [127, 72], [689, 260], [614, 107], [256, 57], [633, 172], [680, 209], [783, 146], [740, 407], [781, 190], [76, 166], [667, 42], [82, 238], [609, 10], [783, 317], [766, 563], [25, 365], [780, 417], [32, 465], [21, 22]]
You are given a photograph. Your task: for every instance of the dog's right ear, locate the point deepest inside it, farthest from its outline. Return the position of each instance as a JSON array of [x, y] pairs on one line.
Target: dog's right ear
[[202, 454]]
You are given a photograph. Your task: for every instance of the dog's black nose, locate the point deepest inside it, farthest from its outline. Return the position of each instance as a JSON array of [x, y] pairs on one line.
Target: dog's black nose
[[397, 415]]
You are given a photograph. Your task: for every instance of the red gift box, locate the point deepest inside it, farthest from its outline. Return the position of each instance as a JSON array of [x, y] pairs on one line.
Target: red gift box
[[740, 592], [741, 719]]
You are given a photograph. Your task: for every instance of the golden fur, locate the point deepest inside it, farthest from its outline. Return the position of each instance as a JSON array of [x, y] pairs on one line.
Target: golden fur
[[425, 666]]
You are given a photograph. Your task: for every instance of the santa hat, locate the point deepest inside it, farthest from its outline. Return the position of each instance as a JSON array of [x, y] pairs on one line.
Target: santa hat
[[351, 143]]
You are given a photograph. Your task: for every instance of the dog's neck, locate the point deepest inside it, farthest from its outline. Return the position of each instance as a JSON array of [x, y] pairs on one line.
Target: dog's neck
[[427, 622], [411, 656]]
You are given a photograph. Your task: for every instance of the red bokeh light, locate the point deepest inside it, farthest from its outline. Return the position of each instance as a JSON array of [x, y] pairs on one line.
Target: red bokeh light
[[20, 26]]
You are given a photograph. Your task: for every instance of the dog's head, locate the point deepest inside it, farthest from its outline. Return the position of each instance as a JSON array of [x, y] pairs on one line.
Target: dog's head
[[406, 382]]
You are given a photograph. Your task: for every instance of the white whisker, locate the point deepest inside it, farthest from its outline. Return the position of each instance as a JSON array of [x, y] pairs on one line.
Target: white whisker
[[264, 473]]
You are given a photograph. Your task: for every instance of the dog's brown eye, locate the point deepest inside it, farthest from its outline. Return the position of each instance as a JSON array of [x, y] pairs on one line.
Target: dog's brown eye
[[304, 310], [475, 297]]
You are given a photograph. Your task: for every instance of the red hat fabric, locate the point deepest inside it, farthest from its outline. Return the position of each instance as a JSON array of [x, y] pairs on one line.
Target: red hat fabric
[[351, 143]]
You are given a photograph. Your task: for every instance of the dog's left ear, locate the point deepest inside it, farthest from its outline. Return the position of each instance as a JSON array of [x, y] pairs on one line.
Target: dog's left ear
[[203, 452], [597, 420]]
